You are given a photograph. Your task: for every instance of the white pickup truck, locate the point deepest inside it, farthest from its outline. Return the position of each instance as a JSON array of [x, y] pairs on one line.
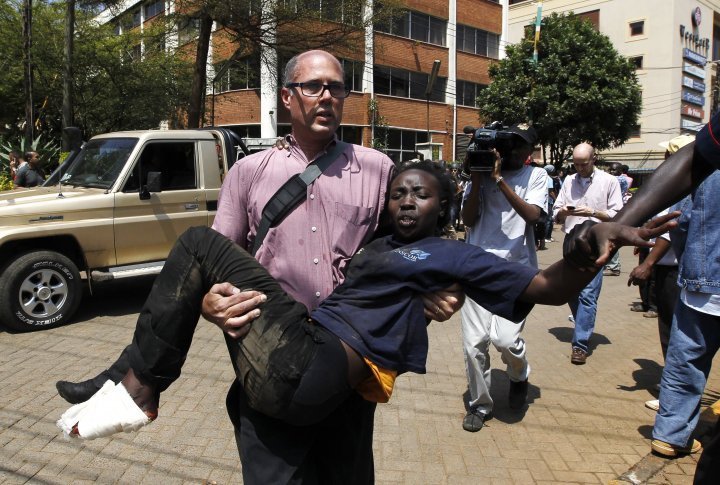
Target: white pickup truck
[[113, 210]]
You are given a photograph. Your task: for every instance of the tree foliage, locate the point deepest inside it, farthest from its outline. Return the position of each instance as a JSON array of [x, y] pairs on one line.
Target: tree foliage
[[115, 87], [581, 88]]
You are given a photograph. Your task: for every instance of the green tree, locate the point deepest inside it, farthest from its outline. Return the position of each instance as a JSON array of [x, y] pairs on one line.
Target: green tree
[[580, 89], [115, 86]]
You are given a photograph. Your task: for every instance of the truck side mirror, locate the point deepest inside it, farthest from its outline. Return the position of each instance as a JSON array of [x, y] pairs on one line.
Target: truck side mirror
[[154, 184]]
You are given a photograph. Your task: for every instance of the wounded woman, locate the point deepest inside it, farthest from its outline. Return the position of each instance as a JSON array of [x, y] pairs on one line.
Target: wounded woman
[[297, 366]]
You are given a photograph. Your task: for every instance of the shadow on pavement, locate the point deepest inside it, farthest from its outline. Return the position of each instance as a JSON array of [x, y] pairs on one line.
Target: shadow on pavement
[[565, 334], [646, 377], [499, 393], [114, 298]]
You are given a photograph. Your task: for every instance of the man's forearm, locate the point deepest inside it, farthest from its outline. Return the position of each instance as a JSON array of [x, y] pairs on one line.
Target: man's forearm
[[670, 182]]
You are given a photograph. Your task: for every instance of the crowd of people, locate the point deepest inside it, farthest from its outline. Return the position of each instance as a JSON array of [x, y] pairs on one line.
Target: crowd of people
[[326, 326]]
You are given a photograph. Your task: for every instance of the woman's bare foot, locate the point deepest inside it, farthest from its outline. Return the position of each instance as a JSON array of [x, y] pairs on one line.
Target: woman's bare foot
[[143, 393]]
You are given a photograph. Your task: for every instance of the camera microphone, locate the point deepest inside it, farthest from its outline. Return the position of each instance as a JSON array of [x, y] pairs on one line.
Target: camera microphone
[[469, 130]]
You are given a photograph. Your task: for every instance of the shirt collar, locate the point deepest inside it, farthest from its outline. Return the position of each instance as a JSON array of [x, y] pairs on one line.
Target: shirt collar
[[350, 163]]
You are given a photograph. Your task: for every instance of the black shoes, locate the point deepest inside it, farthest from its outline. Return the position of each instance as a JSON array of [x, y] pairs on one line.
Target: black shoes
[[76, 392], [474, 420], [517, 397]]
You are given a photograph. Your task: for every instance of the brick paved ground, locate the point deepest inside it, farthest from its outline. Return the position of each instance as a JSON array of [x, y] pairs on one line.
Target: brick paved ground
[[585, 424]]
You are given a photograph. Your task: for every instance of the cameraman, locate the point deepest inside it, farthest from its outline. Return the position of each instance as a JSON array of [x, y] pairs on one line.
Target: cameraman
[[502, 202]]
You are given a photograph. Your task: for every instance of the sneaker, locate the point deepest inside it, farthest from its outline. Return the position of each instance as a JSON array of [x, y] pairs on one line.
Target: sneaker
[[549, 240], [517, 397], [578, 356], [650, 314], [474, 420], [611, 272], [653, 404], [671, 451]]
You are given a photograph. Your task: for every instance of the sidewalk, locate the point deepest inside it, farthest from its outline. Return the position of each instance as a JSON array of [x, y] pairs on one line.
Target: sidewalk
[[584, 424]]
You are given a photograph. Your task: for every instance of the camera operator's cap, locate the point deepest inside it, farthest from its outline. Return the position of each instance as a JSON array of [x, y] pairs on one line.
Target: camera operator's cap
[[707, 142], [550, 169], [677, 143], [526, 132]]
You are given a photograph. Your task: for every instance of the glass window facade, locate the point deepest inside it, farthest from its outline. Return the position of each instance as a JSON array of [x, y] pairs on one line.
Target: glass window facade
[[478, 41], [417, 26], [407, 84]]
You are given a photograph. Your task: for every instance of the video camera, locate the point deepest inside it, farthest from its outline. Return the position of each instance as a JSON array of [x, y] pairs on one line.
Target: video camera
[[493, 136]]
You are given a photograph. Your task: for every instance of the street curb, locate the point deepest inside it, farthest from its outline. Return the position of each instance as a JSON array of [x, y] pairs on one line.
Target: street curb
[[652, 464]]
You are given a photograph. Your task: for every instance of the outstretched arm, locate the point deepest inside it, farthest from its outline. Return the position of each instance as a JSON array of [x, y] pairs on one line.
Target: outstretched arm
[[556, 284]]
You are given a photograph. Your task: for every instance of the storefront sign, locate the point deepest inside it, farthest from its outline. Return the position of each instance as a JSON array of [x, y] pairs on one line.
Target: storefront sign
[[694, 56], [694, 70], [690, 125], [693, 98], [692, 111], [691, 83]]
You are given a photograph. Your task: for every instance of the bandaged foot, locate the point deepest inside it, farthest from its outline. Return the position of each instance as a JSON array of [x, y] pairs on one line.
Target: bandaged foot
[[111, 410]]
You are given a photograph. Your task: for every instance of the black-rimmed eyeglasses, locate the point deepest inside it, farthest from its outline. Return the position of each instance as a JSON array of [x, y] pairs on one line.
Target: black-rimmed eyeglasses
[[315, 89]]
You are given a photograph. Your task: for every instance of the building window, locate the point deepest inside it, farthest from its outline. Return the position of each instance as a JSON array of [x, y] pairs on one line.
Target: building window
[[637, 28], [635, 131], [130, 20], [350, 134], [407, 84], [340, 11], [416, 26], [238, 74], [478, 41], [467, 93], [401, 143], [154, 8], [188, 30], [637, 62], [353, 73]]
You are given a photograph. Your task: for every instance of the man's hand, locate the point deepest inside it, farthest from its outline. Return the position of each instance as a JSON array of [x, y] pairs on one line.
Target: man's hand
[[607, 237], [441, 305], [640, 274], [232, 309], [497, 166]]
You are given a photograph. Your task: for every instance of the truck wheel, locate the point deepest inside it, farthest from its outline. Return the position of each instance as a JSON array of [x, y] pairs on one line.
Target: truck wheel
[[39, 290]]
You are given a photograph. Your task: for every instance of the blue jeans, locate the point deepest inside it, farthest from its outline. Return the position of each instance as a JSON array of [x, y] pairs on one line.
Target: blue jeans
[[694, 340], [584, 308]]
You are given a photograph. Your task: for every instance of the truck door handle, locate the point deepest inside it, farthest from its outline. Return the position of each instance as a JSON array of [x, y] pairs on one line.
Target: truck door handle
[[192, 207]]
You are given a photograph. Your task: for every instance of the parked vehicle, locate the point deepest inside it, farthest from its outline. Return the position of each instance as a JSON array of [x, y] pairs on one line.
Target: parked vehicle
[[113, 210]]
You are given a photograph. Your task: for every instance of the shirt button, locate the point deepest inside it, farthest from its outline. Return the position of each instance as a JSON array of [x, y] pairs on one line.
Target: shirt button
[[316, 260], [317, 293], [312, 196], [313, 229]]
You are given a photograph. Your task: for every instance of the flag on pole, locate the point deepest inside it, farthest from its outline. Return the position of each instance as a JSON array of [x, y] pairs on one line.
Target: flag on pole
[[538, 20]]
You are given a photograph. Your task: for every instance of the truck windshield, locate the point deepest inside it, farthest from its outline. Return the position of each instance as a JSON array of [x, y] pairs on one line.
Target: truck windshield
[[99, 163]]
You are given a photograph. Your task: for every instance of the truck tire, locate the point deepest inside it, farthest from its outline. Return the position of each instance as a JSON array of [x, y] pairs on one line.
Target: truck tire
[[40, 289]]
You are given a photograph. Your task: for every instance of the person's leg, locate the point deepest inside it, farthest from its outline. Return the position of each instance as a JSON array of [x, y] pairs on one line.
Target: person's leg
[[506, 338], [585, 313], [708, 466], [476, 322], [614, 264], [505, 335], [667, 293], [694, 340], [200, 258]]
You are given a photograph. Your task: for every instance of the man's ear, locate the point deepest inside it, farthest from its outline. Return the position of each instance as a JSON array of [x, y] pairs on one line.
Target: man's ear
[[285, 95]]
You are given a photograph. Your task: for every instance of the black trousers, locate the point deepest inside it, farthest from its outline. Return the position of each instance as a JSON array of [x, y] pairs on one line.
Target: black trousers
[[667, 294]]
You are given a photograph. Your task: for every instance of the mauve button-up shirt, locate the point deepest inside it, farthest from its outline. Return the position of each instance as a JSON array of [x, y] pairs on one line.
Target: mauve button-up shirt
[[601, 191], [308, 251]]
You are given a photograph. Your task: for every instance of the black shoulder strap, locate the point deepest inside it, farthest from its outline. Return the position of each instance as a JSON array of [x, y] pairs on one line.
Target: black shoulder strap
[[292, 192]]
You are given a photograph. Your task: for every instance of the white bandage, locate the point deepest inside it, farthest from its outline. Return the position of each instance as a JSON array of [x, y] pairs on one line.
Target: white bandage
[[107, 412]]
